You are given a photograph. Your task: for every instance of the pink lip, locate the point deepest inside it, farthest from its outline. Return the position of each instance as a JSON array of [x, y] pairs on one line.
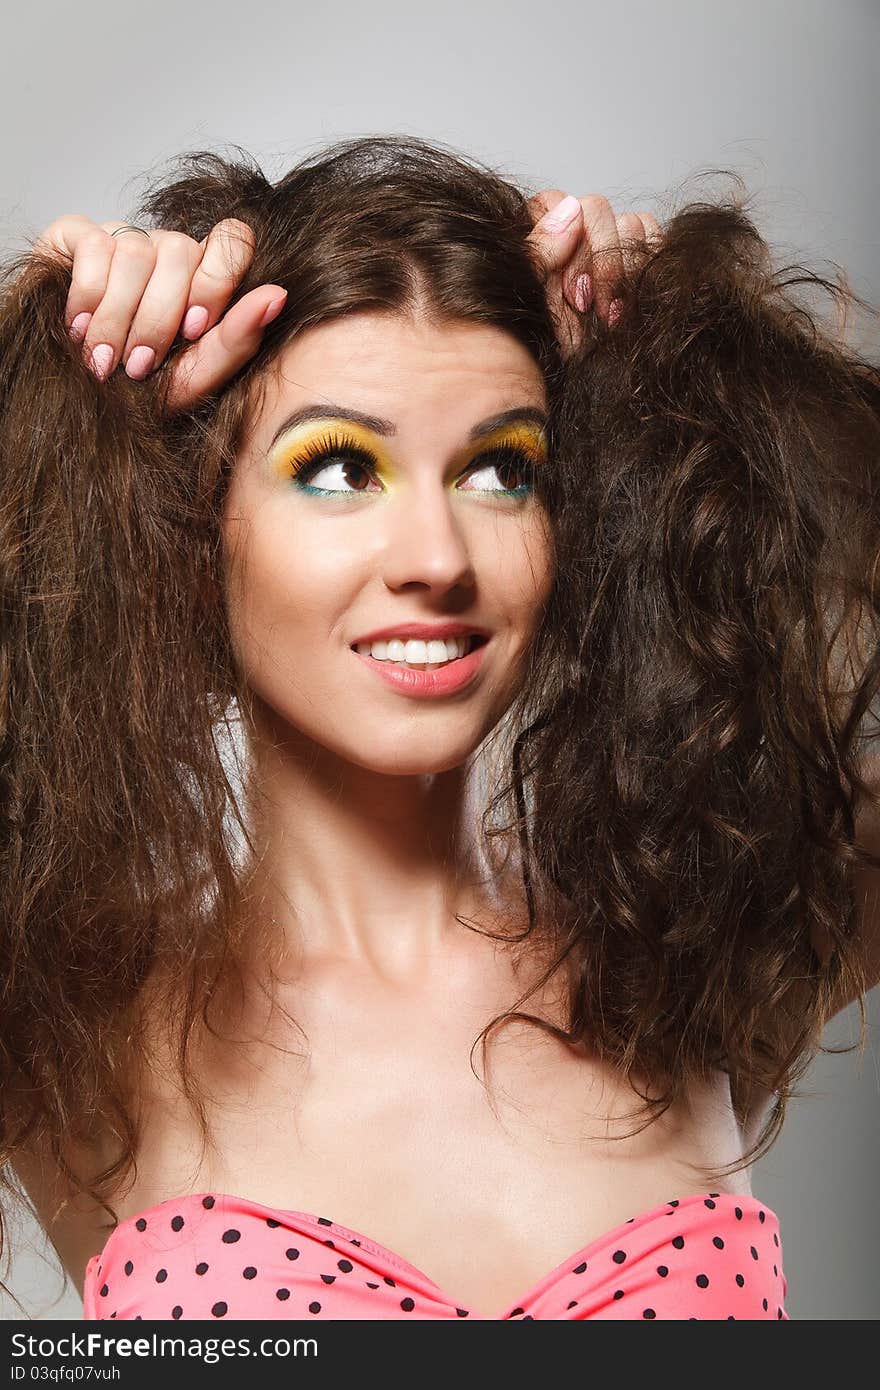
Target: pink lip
[[424, 684]]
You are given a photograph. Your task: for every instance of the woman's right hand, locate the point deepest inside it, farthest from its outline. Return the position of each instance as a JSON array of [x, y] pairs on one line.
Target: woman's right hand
[[131, 295]]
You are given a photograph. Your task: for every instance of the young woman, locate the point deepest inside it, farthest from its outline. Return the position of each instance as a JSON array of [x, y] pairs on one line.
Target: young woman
[[428, 621]]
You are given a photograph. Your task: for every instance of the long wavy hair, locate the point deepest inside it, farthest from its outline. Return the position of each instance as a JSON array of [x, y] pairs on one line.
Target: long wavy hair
[[679, 776]]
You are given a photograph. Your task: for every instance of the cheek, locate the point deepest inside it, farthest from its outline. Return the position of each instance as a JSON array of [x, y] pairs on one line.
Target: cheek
[[522, 576], [285, 592]]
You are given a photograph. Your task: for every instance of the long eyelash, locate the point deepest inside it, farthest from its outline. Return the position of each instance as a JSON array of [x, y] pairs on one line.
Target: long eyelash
[[328, 447], [325, 448]]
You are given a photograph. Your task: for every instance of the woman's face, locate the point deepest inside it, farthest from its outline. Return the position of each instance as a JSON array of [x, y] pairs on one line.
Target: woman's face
[[424, 513]]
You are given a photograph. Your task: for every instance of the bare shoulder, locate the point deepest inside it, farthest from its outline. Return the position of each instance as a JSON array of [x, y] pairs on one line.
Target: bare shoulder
[[75, 1224]]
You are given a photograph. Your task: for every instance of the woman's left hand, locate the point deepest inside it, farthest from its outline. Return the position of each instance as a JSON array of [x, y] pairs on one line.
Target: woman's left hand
[[591, 235]]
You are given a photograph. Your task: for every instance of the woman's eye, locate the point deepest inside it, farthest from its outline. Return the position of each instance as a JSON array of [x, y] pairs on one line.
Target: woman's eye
[[346, 471], [333, 476], [515, 471]]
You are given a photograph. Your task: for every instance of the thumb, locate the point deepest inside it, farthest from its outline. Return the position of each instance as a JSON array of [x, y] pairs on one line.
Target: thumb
[[555, 236]]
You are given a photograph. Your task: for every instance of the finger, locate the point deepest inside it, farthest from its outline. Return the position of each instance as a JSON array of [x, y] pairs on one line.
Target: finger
[[157, 320], [131, 265], [558, 229], [227, 252], [219, 353], [90, 250], [653, 230], [605, 256]]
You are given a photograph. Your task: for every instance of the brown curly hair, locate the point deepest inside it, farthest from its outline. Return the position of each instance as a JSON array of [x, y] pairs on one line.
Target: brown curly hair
[[680, 773]]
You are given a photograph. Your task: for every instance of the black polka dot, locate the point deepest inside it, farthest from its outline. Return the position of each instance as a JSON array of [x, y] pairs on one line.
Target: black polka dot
[[292, 1253], [673, 1204], [201, 1268], [778, 1313], [208, 1202], [714, 1194], [220, 1310], [372, 1286], [328, 1278], [618, 1293], [718, 1242], [103, 1291], [177, 1312], [754, 1252], [737, 1211], [762, 1217], [354, 1242], [282, 1294], [573, 1303], [619, 1256], [407, 1304], [709, 1203], [662, 1271], [740, 1280], [161, 1276], [345, 1265], [324, 1221], [461, 1312], [702, 1281], [649, 1313], [330, 1243], [775, 1238], [128, 1266], [141, 1224], [270, 1221], [678, 1242], [249, 1272], [579, 1269], [231, 1236], [177, 1223], [314, 1307], [764, 1304], [389, 1280], [730, 1317], [516, 1312]]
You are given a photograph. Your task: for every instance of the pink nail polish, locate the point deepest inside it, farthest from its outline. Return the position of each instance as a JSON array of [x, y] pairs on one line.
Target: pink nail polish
[[78, 327], [141, 361], [194, 321], [272, 310], [102, 360], [563, 214], [583, 292]]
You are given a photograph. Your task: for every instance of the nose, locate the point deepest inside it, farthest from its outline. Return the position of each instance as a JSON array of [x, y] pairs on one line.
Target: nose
[[425, 541]]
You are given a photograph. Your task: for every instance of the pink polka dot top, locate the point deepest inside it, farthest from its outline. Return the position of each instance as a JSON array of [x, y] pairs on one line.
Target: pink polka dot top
[[202, 1256]]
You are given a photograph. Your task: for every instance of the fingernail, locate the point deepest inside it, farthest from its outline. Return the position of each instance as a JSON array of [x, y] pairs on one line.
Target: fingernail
[[195, 320], [583, 292], [79, 325], [615, 309], [141, 361], [102, 360], [273, 309], [562, 215]]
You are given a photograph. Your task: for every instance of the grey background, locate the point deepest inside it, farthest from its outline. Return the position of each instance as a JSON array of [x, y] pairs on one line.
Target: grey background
[[625, 100]]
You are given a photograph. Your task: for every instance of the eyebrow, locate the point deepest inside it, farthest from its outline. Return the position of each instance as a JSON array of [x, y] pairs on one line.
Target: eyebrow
[[518, 414]]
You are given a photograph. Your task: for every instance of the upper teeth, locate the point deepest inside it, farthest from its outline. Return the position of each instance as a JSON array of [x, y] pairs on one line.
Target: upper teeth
[[415, 652]]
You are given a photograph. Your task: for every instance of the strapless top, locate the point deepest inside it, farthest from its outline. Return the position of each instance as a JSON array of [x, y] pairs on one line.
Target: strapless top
[[211, 1255]]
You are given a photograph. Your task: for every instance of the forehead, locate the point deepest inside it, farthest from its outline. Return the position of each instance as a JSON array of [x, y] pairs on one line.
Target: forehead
[[406, 369]]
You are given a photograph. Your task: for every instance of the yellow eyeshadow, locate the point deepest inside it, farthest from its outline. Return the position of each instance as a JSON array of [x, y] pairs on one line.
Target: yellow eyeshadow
[[287, 449], [529, 439]]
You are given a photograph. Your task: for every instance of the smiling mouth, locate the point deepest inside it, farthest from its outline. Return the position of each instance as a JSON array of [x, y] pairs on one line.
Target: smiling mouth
[[474, 640]]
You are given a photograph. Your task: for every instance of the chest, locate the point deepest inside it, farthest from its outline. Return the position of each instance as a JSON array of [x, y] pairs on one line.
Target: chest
[[381, 1124]]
